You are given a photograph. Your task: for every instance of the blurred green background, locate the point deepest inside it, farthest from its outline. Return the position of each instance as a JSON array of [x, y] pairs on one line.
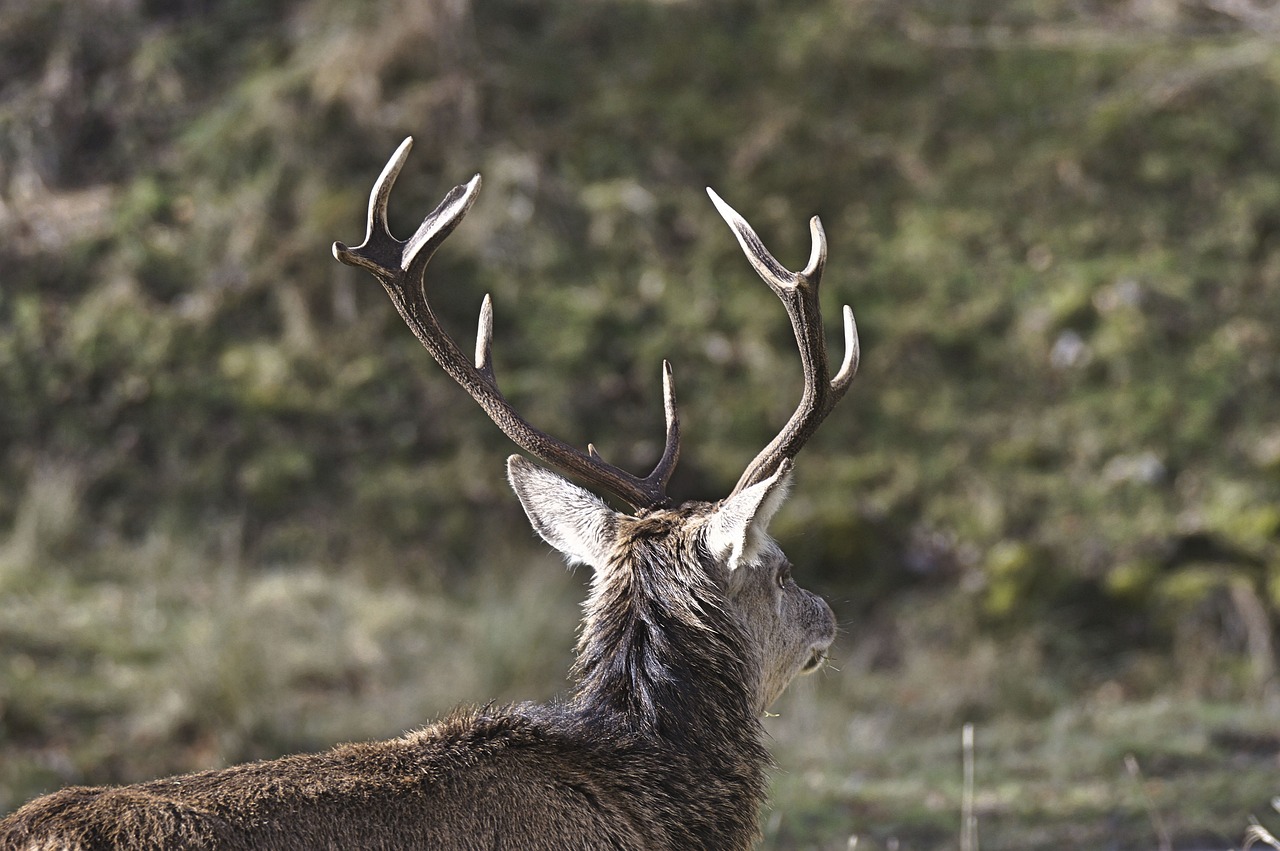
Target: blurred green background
[[242, 513]]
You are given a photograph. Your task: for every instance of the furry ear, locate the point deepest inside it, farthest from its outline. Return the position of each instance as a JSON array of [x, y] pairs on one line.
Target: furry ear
[[574, 521], [737, 528]]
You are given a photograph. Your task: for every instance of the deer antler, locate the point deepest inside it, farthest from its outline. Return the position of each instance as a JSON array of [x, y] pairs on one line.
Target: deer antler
[[400, 267], [799, 294]]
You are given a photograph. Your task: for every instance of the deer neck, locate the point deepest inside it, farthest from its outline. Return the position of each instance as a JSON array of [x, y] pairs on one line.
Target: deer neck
[[659, 649]]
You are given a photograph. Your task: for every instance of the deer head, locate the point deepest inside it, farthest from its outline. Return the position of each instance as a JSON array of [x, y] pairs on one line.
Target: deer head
[[701, 586]]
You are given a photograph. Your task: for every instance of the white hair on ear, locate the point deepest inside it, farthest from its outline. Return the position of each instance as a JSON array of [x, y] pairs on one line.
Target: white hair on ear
[[737, 528], [575, 521]]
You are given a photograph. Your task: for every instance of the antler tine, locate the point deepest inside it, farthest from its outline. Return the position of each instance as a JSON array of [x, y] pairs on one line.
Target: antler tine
[[666, 465], [400, 267], [671, 451], [799, 294], [852, 353], [381, 253], [484, 339], [379, 249]]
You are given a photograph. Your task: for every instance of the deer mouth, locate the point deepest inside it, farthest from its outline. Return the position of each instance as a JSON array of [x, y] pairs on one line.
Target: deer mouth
[[815, 661]]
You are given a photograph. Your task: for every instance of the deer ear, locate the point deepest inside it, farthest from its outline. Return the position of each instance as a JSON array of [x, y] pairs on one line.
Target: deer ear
[[738, 526], [574, 521]]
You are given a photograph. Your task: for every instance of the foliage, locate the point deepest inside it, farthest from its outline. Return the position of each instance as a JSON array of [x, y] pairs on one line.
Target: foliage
[[1057, 225]]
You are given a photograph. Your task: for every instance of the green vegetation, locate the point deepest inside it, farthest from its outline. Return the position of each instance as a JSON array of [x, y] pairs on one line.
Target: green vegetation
[[241, 510]]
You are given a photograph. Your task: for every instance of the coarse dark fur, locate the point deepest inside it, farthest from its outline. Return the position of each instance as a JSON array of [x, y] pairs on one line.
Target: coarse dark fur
[[658, 747]]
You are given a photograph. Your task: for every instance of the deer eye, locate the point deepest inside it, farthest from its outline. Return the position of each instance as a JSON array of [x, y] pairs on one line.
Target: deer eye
[[784, 575]]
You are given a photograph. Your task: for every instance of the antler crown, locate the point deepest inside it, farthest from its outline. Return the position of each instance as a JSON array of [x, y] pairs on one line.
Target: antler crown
[[400, 265]]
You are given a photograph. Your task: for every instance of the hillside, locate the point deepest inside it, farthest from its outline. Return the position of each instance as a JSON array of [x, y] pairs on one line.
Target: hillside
[[1052, 496]]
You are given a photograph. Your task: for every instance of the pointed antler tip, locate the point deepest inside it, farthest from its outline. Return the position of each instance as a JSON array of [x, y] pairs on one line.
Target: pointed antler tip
[[850, 327], [668, 384], [669, 396], [729, 214], [349, 256], [852, 353], [470, 190], [397, 159], [484, 339]]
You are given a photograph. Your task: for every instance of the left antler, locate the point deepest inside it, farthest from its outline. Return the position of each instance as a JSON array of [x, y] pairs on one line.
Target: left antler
[[400, 266]]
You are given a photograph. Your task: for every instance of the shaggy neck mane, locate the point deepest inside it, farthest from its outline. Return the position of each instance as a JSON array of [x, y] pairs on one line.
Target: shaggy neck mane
[[658, 650], [665, 666]]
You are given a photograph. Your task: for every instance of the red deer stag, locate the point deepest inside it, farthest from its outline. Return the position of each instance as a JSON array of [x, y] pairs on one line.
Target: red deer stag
[[692, 628]]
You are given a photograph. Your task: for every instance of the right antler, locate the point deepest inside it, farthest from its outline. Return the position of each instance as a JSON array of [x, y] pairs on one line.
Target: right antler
[[799, 294], [400, 267]]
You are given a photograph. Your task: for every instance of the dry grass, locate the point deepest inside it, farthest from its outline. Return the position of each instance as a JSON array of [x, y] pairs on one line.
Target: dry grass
[[155, 658], [138, 660], [878, 755]]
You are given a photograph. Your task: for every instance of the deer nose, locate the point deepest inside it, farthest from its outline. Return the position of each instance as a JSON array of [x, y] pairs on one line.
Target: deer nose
[[825, 623], [822, 632]]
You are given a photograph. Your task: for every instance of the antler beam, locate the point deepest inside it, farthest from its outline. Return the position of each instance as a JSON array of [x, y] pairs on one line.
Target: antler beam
[[799, 294], [400, 266]]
